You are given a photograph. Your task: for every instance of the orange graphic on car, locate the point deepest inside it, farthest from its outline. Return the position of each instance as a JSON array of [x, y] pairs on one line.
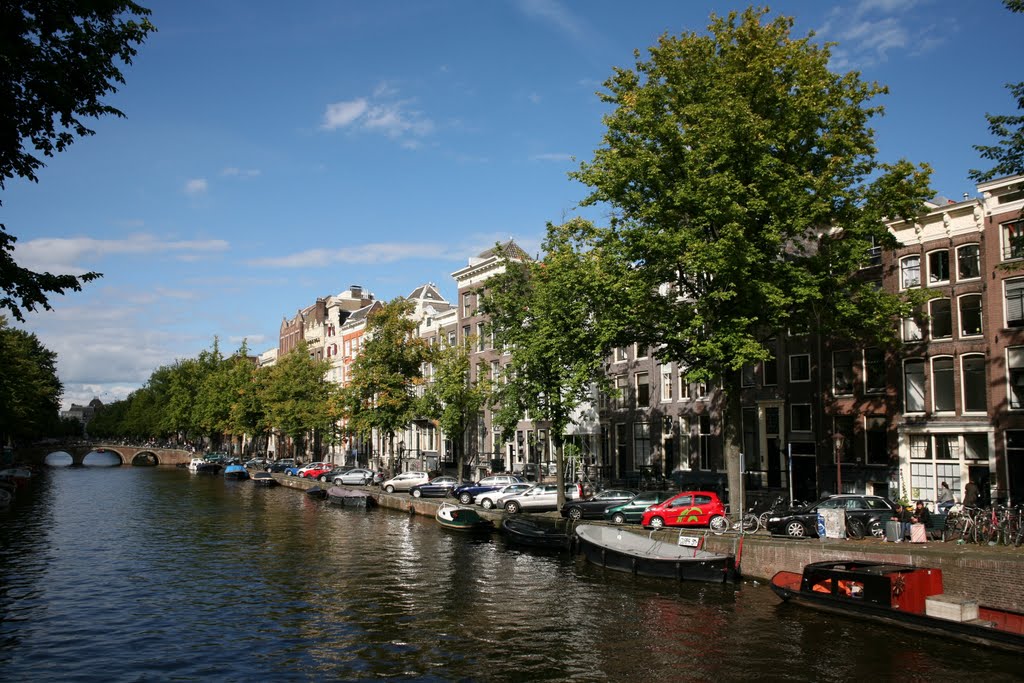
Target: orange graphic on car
[[689, 515]]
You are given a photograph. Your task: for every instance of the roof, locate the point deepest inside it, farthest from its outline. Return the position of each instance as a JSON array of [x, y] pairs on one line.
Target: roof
[[510, 249]]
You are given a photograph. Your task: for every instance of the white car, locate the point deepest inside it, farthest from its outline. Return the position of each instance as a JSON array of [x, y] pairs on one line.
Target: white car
[[537, 498], [405, 481], [489, 499]]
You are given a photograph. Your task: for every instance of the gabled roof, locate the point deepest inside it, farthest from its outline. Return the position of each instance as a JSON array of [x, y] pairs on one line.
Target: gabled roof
[[509, 248]]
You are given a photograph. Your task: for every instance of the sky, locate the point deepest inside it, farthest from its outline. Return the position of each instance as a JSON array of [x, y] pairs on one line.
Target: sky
[[272, 153]]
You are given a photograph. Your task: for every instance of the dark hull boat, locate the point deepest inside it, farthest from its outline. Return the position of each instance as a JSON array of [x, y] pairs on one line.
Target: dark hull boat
[[264, 479], [349, 498], [316, 492], [462, 518], [530, 533], [209, 468], [622, 550], [903, 595]]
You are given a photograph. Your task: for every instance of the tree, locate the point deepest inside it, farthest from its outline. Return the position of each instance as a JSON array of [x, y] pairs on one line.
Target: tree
[[452, 398], [543, 311], [1008, 129], [296, 394], [58, 60], [29, 389], [381, 395], [743, 178]]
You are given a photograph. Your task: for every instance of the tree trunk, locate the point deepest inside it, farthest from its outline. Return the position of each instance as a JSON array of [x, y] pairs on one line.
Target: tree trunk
[[559, 466], [731, 441]]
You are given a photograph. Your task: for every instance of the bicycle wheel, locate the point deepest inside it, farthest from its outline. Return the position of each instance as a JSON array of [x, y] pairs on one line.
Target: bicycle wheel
[[719, 525], [750, 523], [855, 529], [762, 520]]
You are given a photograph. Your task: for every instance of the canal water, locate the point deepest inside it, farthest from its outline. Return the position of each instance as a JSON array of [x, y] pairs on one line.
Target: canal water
[[152, 574]]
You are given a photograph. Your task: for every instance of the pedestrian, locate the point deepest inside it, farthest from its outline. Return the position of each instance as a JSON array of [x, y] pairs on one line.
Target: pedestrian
[[971, 493], [945, 499]]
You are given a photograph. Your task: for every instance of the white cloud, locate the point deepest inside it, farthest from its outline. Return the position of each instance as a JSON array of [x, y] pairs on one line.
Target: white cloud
[[556, 14], [364, 254], [552, 156], [341, 114], [383, 112], [63, 255], [873, 29], [196, 186]]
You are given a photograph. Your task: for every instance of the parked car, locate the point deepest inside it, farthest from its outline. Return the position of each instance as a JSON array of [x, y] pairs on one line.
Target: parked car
[[468, 493], [356, 477], [438, 487], [537, 498], [632, 510], [315, 472], [871, 511], [488, 499], [301, 471], [405, 481], [689, 508], [255, 464], [594, 507], [330, 474], [280, 466]]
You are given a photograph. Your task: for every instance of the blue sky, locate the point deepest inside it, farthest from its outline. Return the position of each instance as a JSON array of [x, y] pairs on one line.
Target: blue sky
[[276, 152]]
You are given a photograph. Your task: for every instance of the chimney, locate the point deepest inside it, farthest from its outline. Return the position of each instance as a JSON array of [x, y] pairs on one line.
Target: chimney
[[356, 290]]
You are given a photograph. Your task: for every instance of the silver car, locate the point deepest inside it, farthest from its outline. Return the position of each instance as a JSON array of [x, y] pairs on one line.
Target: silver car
[[405, 481], [355, 477], [489, 499], [538, 498]]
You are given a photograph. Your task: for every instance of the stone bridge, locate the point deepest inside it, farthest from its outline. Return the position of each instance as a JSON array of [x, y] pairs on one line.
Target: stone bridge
[[129, 455]]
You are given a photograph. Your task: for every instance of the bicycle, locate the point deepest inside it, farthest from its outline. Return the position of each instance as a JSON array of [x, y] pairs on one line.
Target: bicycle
[[778, 507], [747, 523]]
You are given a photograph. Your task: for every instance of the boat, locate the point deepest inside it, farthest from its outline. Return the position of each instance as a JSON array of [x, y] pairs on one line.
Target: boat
[[264, 479], [622, 550], [349, 498], [462, 518], [316, 492], [530, 533], [194, 463], [236, 472], [899, 594], [209, 468]]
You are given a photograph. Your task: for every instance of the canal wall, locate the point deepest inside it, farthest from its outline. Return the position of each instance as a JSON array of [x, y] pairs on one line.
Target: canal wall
[[992, 575]]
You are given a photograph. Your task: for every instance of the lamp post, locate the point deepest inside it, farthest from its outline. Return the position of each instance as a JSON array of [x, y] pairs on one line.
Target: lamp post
[[838, 439]]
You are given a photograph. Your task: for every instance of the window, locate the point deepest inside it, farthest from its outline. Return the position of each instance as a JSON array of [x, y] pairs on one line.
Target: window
[[910, 272], [620, 354], [467, 304], [874, 254], [481, 338], [747, 375], [621, 392], [920, 447], [800, 417], [938, 266], [842, 373], [770, 369], [943, 394], [684, 386], [704, 436], [451, 338], [1015, 369], [702, 390], [643, 395], [666, 384], [642, 444], [1013, 240], [874, 371], [877, 440], [800, 368], [913, 386], [968, 259], [912, 329], [684, 443], [976, 446], [941, 318], [465, 333], [970, 315], [642, 351], [1014, 302], [972, 374]]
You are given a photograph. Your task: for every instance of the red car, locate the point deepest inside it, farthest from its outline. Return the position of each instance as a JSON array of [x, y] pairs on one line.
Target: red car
[[316, 471], [689, 508]]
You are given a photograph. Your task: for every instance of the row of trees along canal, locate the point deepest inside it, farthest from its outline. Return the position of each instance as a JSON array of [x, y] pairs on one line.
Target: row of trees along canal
[[744, 191]]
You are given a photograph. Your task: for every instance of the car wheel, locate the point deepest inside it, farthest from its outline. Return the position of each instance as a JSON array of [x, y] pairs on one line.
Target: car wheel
[[323, 478], [718, 524], [465, 499], [877, 529], [337, 482], [487, 503], [512, 507], [796, 529], [575, 514], [618, 518], [417, 493], [656, 523], [389, 489]]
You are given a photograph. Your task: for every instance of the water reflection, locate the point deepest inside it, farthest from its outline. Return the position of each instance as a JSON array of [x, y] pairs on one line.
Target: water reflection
[[101, 459], [59, 459]]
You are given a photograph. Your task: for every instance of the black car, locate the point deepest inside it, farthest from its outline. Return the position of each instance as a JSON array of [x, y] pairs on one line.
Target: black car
[[280, 466], [438, 487], [870, 512], [594, 507]]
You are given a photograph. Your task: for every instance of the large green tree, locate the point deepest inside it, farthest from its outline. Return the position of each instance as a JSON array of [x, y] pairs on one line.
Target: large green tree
[[544, 312], [381, 395], [745, 191], [296, 395], [58, 60], [1007, 154], [29, 389]]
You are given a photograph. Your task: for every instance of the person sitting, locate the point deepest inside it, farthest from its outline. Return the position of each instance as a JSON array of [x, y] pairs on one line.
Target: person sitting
[[919, 515], [945, 499]]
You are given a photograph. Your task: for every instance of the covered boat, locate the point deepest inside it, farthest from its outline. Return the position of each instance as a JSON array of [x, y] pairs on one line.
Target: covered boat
[[622, 550], [903, 595], [462, 518], [236, 472], [534, 534], [264, 479], [337, 495], [316, 492]]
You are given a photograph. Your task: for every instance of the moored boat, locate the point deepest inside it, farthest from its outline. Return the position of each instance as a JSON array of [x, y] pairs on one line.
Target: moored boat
[[904, 595], [462, 518], [349, 498], [236, 472], [316, 492], [622, 550], [530, 533], [264, 479]]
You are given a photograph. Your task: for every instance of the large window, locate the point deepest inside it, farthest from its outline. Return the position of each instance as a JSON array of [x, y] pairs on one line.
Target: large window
[[800, 368], [970, 315], [876, 431], [842, 372], [941, 318], [1015, 371], [707, 460], [770, 368], [913, 386], [874, 371], [938, 266], [666, 384], [800, 417], [968, 259], [943, 393], [747, 375], [974, 384], [912, 329], [642, 444], [643, 393], [1014, 290], [1013, 240], [910, 272]]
